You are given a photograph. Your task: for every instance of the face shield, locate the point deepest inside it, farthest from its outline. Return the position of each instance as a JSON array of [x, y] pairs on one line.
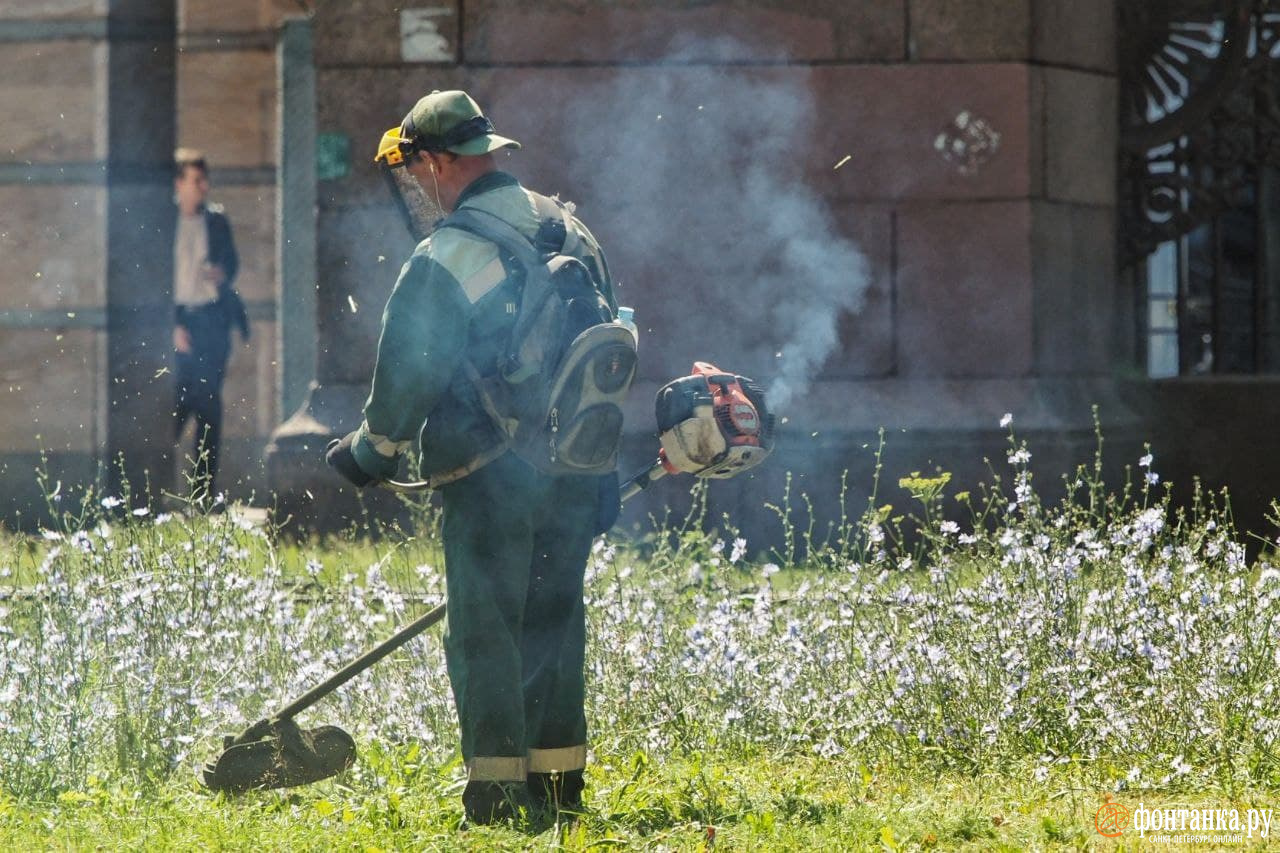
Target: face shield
[[419, 211]]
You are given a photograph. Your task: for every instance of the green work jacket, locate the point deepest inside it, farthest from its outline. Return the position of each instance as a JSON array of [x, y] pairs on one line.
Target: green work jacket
[[455, 301]]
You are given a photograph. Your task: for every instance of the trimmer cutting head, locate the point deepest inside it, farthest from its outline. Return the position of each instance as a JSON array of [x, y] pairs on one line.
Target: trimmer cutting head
[[278, 754]]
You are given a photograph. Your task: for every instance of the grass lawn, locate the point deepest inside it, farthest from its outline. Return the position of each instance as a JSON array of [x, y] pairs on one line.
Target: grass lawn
[[977, 671], [715, 802]]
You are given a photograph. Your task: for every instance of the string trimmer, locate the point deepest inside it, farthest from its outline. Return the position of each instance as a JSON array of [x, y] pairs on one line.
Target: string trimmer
[[711, 424]]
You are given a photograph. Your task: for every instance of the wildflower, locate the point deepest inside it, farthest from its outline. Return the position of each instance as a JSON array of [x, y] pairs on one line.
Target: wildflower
[[1145, 461], [1021, 456], [141, 511], [829, 748], [949, 527], [1006, 420], [739, 550], [111, 502], [770, 569]]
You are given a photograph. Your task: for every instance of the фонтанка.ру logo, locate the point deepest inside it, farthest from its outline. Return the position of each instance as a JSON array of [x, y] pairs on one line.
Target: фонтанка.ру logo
[[1111, 819]]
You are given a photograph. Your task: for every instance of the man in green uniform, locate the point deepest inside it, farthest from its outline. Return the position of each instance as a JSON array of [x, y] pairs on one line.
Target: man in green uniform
[[516, 540]]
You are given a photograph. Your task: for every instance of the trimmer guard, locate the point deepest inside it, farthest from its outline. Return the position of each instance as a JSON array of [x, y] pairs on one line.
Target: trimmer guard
[[279, 754]]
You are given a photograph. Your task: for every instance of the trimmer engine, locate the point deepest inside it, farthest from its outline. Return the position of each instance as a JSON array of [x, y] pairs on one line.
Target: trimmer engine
[[713, 424]]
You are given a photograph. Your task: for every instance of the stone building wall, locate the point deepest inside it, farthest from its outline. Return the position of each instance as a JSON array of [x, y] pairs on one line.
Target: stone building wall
[[52, 243], [965, 146], [56, 95]]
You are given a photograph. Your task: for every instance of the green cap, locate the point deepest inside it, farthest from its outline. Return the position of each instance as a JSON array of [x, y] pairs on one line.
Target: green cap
[[452, 121]]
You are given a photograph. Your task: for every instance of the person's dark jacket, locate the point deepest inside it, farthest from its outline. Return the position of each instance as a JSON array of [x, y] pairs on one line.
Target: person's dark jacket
[[222, 251]]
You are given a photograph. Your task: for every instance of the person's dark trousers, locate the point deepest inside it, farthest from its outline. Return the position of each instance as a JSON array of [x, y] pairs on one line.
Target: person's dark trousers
[[516, 546], [199, 390]]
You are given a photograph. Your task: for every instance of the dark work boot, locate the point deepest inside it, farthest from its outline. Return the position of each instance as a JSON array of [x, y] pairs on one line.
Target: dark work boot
[[494, 802], [557, 791]]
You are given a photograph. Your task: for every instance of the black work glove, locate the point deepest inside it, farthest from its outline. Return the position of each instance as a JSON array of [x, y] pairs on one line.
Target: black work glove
[[340, 458], [610, 503]]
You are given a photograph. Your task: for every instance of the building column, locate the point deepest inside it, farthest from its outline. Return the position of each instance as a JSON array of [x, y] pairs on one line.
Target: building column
[[296, 212], [140, 117]]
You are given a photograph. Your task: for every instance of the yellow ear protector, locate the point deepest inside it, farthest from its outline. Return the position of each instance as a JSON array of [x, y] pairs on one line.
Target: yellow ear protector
[[398, 143], [392, 148]]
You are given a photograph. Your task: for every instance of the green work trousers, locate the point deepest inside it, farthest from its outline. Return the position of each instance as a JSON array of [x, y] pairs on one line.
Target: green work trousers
[[516, 545]]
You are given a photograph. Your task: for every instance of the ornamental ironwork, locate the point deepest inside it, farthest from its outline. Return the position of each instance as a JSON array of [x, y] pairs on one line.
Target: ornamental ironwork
[[1199, 112]]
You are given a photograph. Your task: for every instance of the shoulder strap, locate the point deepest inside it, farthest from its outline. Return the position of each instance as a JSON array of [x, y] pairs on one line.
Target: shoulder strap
[[495, 228]]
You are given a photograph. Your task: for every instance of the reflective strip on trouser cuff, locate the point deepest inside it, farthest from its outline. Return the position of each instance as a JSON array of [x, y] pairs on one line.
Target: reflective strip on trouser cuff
[[496, 768], [558, 760]]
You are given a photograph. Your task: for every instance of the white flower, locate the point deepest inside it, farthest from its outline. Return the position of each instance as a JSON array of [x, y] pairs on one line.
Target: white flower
[[1145, 461], [141, 511], [949, 527], [111, 502], [770, 569], [1006, 420]]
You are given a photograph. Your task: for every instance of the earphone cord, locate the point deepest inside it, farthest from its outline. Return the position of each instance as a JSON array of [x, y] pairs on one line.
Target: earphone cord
[[435, 183]]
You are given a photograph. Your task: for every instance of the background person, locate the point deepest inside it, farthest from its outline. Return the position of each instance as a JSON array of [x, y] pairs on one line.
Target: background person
[[206, 306]]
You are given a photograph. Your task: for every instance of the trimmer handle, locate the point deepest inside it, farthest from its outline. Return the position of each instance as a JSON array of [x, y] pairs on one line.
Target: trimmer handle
[[643, 480], [630, 488]]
